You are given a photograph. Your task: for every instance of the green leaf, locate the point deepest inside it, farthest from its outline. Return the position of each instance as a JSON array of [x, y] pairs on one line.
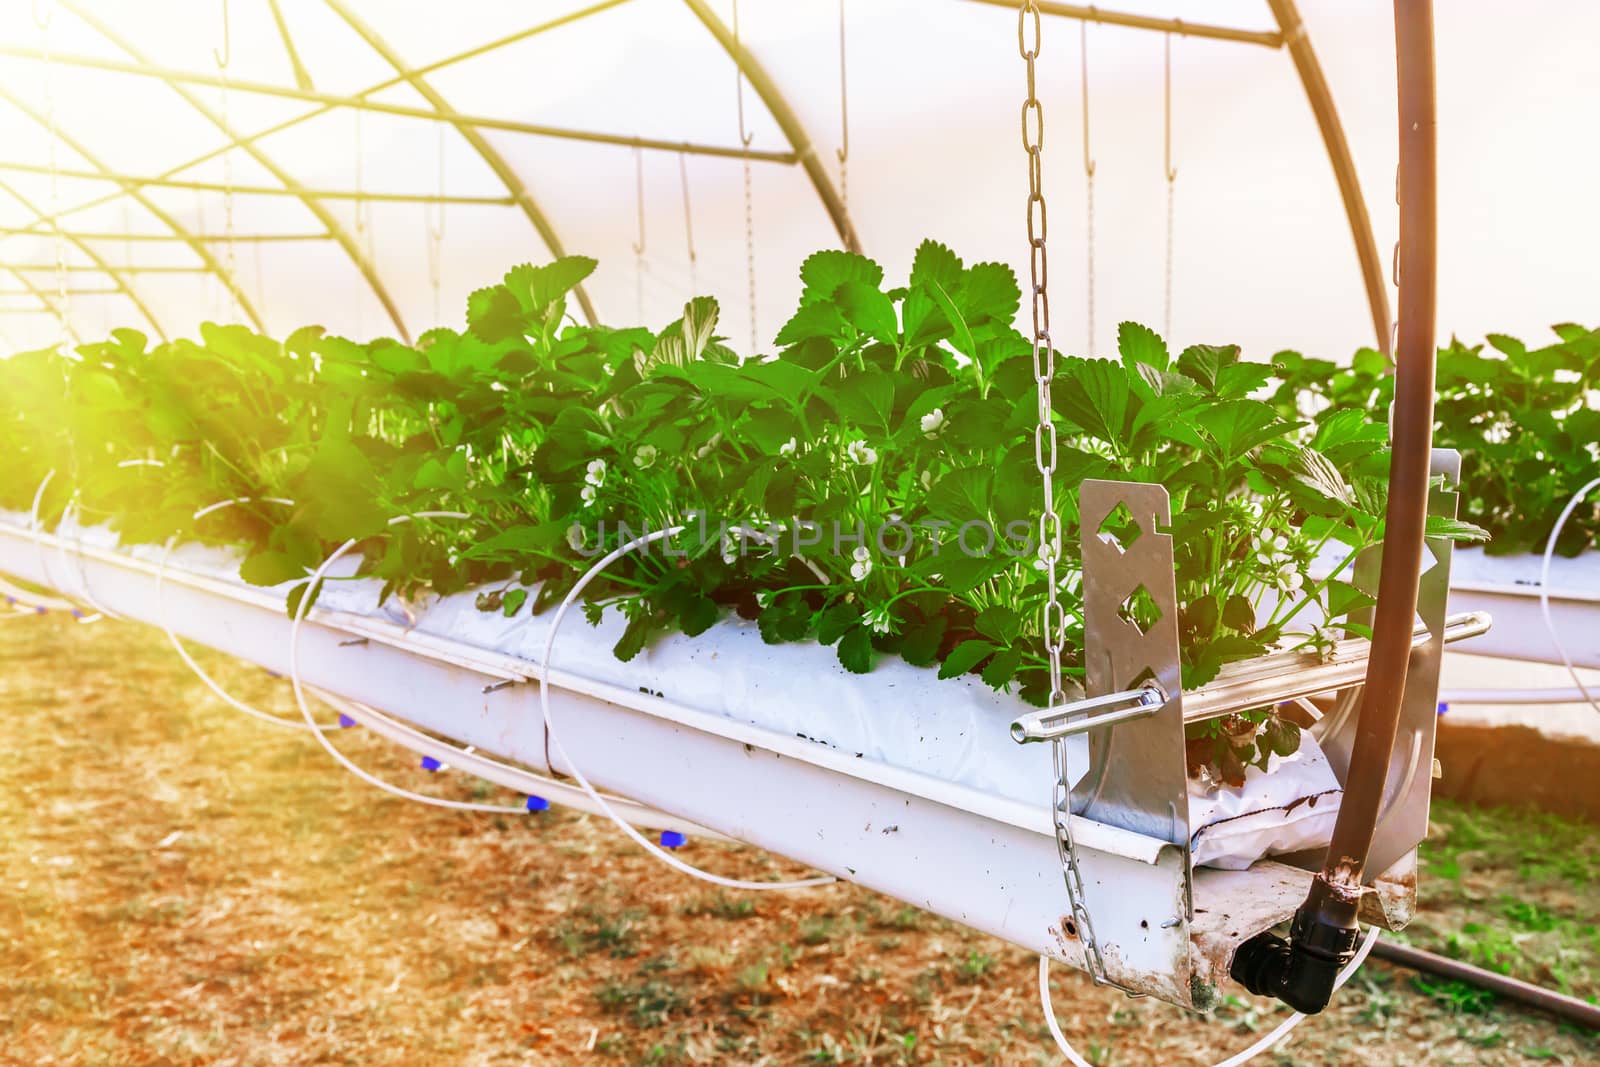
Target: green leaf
[[921, 645], [1455, 529], [537, 289], [868, 310], [824, 272], [1237, 426], [635, 636], [855, 650], [1204, 363], [511, 602], [1141, 346], [935, 264], [271, 568], [1094, 395], [999, 671], [964, 657], [958, 324], [697, 614]]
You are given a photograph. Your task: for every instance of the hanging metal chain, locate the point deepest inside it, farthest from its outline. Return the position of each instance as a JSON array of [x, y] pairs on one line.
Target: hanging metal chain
[[688, 225], [1088, 173], [363, 240], [223, 58], [638, 246], [843, 152], [745, 137], [433, 217], [1172, 178], [63, 299], [1053, 623]]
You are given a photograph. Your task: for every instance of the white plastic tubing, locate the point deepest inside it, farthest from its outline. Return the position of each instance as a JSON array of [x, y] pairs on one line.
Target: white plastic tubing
[[1544, 588], [1238, 1059]]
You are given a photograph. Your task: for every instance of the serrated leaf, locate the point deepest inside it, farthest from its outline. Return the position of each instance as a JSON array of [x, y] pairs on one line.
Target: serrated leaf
[[824, 272], [964, 657], [855, 650], [998, 672], [1141, 346]]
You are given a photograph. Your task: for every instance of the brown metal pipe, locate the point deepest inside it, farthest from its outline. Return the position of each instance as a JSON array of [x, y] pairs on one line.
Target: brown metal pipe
[[1405, 515], [1580, 1012]]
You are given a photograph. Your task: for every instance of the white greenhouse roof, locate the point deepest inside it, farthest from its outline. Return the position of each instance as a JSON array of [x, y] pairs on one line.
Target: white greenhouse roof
[[539, 121]]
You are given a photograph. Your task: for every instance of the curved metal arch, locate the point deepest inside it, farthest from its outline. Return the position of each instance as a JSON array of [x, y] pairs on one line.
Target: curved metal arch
[[116, 275], [778, 107], [49, 304], [487, 152], [161, 215], [361, 261]]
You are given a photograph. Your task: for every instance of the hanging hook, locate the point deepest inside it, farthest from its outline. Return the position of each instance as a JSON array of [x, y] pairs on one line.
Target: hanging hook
[[844, 95], [688, 216], [223, 58], [1172, 172], [44, 23], [1083, 56], [745, 136], [638, 177]]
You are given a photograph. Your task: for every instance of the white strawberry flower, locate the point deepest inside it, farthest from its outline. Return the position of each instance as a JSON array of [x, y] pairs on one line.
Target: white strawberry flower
[[861, 454], [862, 565], [644, 457], [705, 450], [787, 448], [587, 495], [926, 480], [933, 423], [596, 473], [575, 534], [878, 619]]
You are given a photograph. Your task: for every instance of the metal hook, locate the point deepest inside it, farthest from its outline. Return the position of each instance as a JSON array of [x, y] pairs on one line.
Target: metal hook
[[1083, 56], [638, 176], [44, 23], [745, 136], [1172, 172], [844, 95], [224, 57], [688, 215]]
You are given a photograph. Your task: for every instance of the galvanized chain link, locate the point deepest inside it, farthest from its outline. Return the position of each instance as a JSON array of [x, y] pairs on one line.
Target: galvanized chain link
[[223, 58], [843, 152], [1172, 180], [1088, 174], [746, 136], [433, 218], [639, 245], [1053, 619]]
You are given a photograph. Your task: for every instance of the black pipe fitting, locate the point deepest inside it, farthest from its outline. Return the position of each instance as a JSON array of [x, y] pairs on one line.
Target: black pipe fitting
[[1301, 971]]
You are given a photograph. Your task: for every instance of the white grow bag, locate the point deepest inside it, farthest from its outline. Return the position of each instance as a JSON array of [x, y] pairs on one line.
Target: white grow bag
[[895, 780]]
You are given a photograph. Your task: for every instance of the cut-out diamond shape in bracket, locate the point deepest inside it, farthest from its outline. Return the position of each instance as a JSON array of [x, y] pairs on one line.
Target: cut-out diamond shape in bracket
[[1139, 608], [1120, 529]]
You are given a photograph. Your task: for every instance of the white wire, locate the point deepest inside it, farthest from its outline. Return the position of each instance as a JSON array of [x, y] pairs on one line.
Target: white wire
[[299, 616], [1238, 1059], [1544, 590], [183, 653], [37, 526], [594, 795]]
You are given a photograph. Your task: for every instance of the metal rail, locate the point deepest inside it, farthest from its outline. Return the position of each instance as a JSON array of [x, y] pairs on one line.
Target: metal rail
[[153, 182], [1091, 13], [38, 230], [95, 257], [49, 302], [1287, 676], [474, 137], [1580, 1012], [81, 268], [362, 262], [1344, 168], [356, 103], [101, 171], [784, 116]]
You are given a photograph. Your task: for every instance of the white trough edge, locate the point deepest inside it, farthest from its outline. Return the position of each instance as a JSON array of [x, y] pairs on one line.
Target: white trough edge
[[988, 862], [1508, 588]]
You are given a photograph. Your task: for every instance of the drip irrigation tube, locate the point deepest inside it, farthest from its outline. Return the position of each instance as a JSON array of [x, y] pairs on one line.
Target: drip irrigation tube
[[1580, 1012]]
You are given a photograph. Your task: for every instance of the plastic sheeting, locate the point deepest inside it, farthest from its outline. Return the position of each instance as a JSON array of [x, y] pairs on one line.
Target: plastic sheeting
[[1262, 251]]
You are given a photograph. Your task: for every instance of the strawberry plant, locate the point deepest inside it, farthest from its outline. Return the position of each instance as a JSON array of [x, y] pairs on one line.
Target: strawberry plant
[[870, 484], [1526, 421]]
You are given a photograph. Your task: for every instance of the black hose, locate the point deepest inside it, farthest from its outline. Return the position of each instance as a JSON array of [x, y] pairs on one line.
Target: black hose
[[1579, 1012], [1301, 971]]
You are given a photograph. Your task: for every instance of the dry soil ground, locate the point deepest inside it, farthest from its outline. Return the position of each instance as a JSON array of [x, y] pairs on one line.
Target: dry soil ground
[[183, 885]]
